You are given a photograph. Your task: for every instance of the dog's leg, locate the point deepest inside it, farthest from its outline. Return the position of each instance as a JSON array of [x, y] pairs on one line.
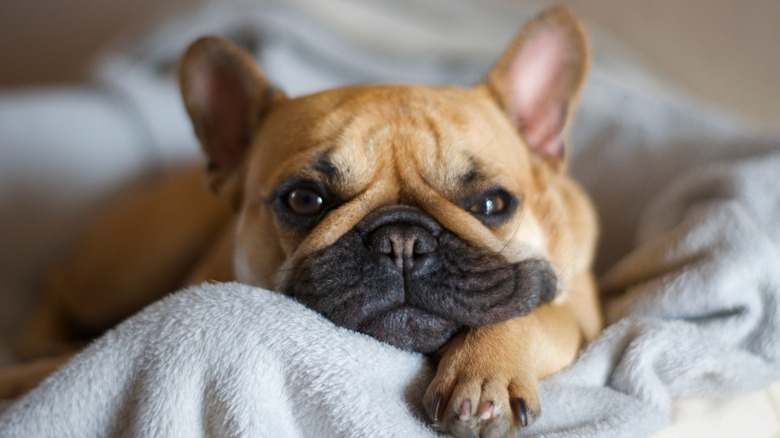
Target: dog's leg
[[486, 381], [217, 262], [139, 249]]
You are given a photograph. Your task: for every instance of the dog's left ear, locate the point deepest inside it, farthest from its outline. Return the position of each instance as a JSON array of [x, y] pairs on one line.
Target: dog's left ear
[[538, 80], [226, 96]]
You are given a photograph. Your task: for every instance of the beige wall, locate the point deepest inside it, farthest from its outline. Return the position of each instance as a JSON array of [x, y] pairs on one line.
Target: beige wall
[[727, 51], [54, 40]]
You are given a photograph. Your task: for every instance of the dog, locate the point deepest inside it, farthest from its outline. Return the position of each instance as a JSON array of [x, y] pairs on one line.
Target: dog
[[438, 220]]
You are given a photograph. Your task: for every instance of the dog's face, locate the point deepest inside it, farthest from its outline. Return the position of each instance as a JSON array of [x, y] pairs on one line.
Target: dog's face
[[404, 212], [388, 214]]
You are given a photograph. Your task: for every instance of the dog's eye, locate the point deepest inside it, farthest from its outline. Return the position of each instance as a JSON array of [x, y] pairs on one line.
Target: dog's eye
[[305, 201], [493, 206], [490, 205]]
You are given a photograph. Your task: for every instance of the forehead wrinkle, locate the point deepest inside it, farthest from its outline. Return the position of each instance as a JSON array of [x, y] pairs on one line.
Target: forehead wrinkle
[[356, 169], [412, 132], [352, 146], [408, 147], [446, 166], [433, 128]]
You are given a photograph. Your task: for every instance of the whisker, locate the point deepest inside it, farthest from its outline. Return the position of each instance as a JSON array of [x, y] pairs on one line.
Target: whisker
[[514, 233]]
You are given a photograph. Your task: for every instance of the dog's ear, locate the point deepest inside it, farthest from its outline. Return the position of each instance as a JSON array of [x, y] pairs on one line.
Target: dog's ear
[[226, 96], [538, 80]]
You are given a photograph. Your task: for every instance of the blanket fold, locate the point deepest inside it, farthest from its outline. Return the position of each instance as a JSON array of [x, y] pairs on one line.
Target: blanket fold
[[694, 309], [228, 360]]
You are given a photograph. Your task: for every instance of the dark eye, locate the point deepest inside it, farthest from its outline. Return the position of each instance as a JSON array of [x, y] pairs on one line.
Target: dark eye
[[489, 205], [304, 201], [493, 206]]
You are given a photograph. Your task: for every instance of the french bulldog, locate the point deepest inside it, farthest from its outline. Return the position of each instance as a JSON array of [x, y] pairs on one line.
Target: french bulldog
[[436, 219]]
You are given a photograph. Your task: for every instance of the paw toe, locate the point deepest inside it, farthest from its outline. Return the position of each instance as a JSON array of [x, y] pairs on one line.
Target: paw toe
[[461, 429], [496, 428]]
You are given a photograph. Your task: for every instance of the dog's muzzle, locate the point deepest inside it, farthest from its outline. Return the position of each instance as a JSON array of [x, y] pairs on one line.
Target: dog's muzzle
[[401, 277]]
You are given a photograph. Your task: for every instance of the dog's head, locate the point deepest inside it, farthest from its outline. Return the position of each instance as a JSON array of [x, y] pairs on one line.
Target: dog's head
[[404, 212]]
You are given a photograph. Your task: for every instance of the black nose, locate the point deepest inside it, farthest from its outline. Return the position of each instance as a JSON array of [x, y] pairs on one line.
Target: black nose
[[401, 236]]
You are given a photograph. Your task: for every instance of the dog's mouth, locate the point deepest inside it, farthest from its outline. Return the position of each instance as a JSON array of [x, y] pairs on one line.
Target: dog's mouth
[[410, 328], [403, 279]]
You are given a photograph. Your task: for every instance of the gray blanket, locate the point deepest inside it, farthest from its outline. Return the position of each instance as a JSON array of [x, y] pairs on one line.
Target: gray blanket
[[690, 261]]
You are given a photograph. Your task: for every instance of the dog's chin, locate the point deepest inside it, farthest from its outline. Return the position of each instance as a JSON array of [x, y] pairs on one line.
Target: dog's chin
[[410, 328]]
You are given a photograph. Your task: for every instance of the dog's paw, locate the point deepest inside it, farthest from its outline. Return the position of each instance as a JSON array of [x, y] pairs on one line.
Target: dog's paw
[[482, 397]]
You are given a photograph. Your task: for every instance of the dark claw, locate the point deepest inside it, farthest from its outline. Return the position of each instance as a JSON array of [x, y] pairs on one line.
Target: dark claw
[[518, 407], [436, 406]]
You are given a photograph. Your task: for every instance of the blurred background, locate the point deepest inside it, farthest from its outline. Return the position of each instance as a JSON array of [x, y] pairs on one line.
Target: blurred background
[[723, 51]]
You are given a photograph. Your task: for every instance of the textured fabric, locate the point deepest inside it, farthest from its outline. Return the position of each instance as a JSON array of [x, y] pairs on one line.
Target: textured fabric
[[694, 310], [227, 360]]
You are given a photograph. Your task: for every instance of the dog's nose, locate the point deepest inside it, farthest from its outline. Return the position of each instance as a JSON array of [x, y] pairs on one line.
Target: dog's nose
[[401, 236], [405, 246]]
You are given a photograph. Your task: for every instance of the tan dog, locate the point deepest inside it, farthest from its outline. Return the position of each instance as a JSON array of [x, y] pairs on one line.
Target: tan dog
[[438, 220]]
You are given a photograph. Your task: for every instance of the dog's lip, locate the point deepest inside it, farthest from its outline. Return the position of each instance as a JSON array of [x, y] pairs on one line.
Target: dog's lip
[[387, 312], [410, 328], [403, 307], [399, 312]]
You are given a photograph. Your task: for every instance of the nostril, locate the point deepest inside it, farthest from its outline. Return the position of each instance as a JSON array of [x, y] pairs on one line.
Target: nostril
[[401, 245], [424, 243], [422, 265], [381, 243], [383, 259]]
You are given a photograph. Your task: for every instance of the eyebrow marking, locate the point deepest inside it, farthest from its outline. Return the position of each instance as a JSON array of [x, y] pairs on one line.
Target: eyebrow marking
[[325, 167], [474, 174]]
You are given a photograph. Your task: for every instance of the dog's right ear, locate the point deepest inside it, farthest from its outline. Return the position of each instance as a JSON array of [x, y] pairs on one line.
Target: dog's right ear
[[226, 96], [539, 79]]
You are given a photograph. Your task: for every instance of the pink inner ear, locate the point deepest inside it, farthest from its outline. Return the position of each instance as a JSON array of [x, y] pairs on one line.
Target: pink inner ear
[[224, 105], [539, 77]]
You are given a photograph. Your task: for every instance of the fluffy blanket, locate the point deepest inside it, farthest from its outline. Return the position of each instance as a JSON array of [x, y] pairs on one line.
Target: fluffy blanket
[[690, 261]]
